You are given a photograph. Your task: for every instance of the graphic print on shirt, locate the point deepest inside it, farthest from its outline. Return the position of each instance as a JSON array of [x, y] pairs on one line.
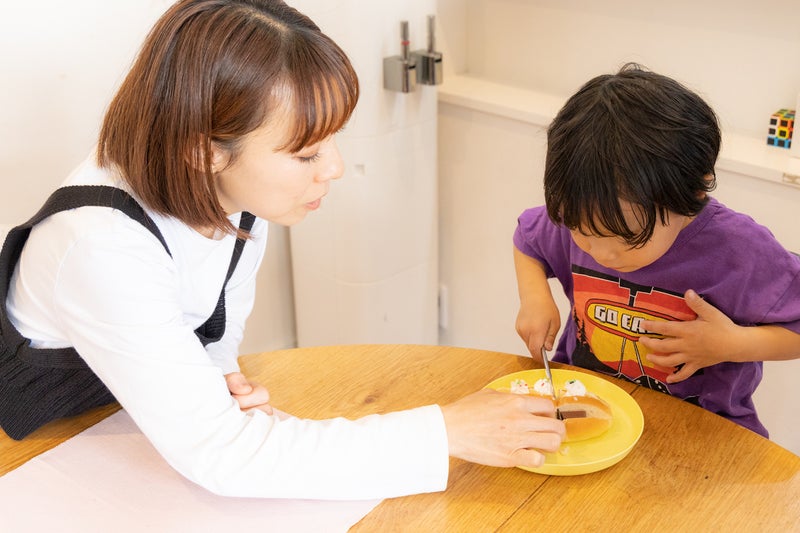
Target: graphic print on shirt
[[608, 313]]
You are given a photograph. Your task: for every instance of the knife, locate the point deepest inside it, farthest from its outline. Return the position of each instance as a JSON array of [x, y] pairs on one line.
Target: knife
[[550, 379]]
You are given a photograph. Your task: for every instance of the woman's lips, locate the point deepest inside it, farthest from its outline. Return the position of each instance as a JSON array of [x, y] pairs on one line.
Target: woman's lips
[[313, 206]]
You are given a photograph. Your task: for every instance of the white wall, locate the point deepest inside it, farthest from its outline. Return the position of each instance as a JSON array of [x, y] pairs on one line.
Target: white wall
[[60, 62], [365, 265], [742, 55], [490, 167]]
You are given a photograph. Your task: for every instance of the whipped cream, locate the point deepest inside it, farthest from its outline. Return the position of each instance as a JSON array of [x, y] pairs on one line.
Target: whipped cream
[[520, 386], [543, 387], [574, 387]]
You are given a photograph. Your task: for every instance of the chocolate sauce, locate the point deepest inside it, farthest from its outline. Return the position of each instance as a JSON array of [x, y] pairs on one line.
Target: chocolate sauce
[[572, 414]]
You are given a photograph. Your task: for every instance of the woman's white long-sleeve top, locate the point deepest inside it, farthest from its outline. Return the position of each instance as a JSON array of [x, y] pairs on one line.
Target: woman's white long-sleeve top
[[94, 279]]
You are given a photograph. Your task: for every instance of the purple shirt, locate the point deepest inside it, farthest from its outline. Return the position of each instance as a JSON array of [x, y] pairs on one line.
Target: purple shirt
[[731, 261]]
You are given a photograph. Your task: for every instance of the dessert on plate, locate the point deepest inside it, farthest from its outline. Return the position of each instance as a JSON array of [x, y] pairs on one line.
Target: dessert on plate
[[585, 414]]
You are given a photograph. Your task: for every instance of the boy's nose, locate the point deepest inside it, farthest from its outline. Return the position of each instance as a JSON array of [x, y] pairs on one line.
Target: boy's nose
[[601, 252]]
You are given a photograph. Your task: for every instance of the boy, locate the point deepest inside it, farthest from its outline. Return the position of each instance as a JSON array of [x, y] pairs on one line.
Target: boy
[[668, 288]]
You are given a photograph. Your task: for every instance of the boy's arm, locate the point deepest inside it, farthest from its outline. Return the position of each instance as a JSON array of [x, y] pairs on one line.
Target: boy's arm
[[538, 320], [713, 338]]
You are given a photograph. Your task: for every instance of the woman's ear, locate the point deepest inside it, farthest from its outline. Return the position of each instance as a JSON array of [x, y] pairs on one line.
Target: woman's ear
[[219, 157]]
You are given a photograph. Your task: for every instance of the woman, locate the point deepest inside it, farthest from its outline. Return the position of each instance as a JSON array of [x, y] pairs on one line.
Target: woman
[[231, 108]]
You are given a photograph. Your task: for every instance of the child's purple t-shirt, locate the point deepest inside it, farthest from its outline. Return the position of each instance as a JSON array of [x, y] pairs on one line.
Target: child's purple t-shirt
[[731, 261]]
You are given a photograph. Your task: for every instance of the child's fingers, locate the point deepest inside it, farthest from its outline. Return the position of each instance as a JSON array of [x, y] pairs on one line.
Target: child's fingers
[[682, 373]]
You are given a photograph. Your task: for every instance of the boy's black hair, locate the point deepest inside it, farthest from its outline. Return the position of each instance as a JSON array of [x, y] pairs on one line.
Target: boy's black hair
[[636, 136]]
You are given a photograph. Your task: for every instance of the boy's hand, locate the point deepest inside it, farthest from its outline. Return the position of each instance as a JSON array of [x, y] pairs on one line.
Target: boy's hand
[[249, 395], [538, 320], [707, 340], [538, 324]]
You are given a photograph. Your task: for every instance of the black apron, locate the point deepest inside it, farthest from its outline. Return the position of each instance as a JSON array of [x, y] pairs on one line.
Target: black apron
[[41, 385]]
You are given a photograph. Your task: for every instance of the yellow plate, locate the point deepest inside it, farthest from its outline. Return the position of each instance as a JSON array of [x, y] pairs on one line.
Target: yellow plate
[[595, 454]]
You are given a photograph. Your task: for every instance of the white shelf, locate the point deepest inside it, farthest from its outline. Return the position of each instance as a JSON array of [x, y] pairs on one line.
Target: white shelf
[[754, 157], [749, 156], [502, 100]]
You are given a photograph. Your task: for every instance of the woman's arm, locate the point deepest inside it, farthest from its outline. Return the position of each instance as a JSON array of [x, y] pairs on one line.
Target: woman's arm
[[119, 302]]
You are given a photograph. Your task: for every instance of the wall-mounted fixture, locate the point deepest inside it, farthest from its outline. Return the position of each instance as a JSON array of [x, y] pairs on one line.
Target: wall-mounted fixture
[[399, 71], [365, 269], [429, 62]]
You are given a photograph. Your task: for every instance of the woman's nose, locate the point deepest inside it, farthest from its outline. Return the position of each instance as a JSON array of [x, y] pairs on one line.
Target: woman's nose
[[333, 166]]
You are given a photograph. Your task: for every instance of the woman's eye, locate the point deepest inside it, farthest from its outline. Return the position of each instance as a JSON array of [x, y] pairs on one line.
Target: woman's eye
[[308, 159]]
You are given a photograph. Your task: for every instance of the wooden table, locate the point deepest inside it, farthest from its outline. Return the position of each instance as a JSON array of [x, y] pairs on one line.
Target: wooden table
[[691, 470]]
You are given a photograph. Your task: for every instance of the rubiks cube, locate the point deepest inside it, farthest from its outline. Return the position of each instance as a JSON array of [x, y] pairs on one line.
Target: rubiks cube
[[781, 126]]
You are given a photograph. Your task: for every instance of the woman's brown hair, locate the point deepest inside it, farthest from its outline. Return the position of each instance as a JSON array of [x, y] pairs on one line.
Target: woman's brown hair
[[209, 73]]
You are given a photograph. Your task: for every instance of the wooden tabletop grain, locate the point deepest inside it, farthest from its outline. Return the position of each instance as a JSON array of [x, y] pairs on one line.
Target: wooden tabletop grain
[[690, 471]]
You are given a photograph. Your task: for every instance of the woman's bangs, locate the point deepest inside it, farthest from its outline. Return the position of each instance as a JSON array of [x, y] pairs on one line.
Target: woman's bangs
[[323, 105]]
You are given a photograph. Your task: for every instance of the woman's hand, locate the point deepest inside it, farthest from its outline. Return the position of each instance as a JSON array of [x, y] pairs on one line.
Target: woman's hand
[[249, 395], [502, 429]]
